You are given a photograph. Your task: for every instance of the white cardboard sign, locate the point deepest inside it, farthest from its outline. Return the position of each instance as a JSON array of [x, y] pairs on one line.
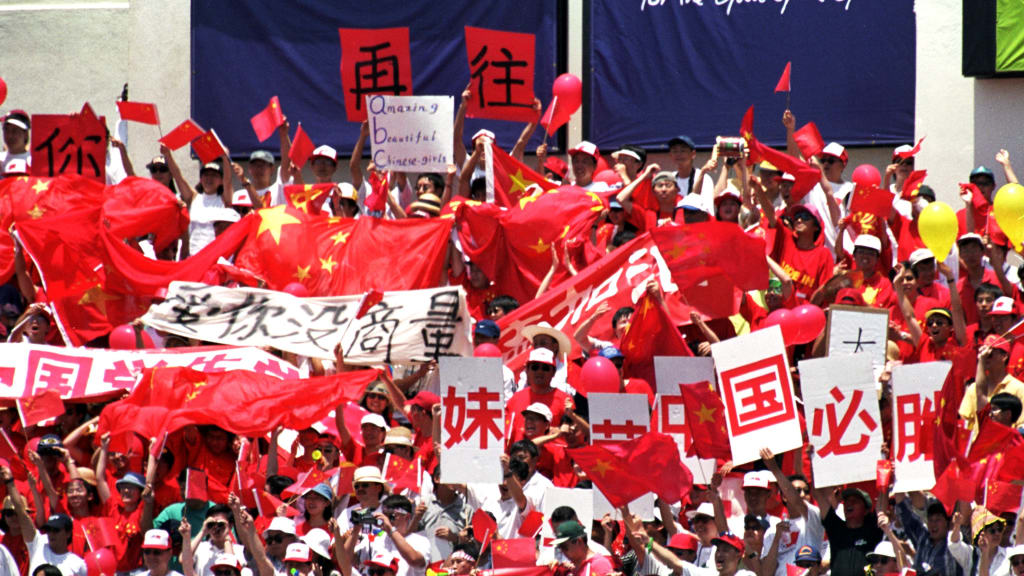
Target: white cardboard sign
[[411, 133], [916, 396], [472, 426]]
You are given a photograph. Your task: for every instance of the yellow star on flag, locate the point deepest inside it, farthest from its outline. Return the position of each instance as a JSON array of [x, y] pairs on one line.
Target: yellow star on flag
[[273, 219], [540, 247], [96, 297], [302, 273], [39, 187], [340, 238], [36, 212], [328, 264], [196, 386], [602, 467], [677, 251], [519, 182], [869, 295], [705, 414]]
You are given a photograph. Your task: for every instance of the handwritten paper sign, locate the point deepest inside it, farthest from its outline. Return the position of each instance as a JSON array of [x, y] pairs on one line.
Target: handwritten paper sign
[[411, 133], [472, 435], [916, 397], [857, 329]]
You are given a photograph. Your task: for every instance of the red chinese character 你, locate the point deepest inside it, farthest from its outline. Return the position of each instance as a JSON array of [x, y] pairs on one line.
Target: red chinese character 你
[[837, 427], [758, 395]]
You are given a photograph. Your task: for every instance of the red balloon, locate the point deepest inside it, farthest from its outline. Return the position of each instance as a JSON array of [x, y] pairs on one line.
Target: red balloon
[[296, 289], [609, 177], [811, 321], [101, 562], [122, 337], [785, 320], [3, 91], [487, 350], [866, 175], [599, 375], [569, 91]]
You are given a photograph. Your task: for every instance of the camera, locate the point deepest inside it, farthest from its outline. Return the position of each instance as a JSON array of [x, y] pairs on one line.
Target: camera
[[365, 517], [731, 147], [519, 468]]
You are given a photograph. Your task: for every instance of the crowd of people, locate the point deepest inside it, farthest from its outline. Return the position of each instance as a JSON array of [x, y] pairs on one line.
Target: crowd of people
[[960, 309]]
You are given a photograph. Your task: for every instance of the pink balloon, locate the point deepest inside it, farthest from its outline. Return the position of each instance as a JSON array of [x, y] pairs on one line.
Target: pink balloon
[[296, 289], [487, 350], [101, 562], [598, 374], [866, 175], [786, 320], [811, 321], [123, 337], [608, 177], [3, 91], [569, 91]]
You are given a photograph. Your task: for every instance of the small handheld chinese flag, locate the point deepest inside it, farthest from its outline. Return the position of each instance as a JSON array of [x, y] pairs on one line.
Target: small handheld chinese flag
[[302, 148], [531, 525], [43, 406], [809, 140], [783, 84], [195, 485], [141, 112], [913, 183], [515, 552], [484, 527], [264, 123], [209, 147], [370, 299], [100, 532], [182, 135], [912, 152]]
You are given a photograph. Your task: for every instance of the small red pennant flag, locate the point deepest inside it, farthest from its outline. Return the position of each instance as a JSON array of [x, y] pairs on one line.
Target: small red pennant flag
[[302, 148], [912, 152], [783, 85], [141, 112], [370, 299], [809, 140], [264, 123], [182, 135], [43, 406]]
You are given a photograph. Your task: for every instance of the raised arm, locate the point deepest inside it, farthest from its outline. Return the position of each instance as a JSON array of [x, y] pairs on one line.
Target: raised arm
[[101, 468], [955, 305], [51, 494], [449, 189], [126, 162], [1003, 157], [795, 505], [184, 188], [227, 188], [285, 138], [246, 530], [28, 529], [520, 148], [185, 557], [459, 152], [70, 441], [355, 163], [789, 121]]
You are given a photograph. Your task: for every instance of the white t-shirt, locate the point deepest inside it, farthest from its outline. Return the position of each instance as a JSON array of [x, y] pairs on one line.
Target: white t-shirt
[[707, 190], [418, 542], [535, 488], [507, 515], [144, 572], [8, 565], [200, 227], [5, 156], [39, 553], [206, 553], [802, 532]]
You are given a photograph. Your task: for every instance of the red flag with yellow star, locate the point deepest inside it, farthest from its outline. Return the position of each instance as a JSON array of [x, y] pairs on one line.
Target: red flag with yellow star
[[870, 201], [651, 332], [912, 184], [43, 406], [509, 180], [705, 416], [339, 256], [308, 198], [208, 147], [513, 552], [142, 112], [806, 175], [402, 473], [626, 471], [513, 246], [267, 120], [696, 252]]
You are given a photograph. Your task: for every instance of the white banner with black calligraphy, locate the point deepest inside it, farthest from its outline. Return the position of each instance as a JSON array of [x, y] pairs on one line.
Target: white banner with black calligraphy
[[28, 369], [843, 421], [404, 327], [916, 401], [473, 419]]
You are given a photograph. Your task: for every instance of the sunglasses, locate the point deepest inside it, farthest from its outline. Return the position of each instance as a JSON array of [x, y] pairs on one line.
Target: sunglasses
[[152, 552], [275, 539], [803, 215], [538, 367], [994, 530], [159, 170], [224, 572], [1016, 561], [828, 160], [376, 396], [377, 571], [327, 448], [937, 322], [359, 485], [10, 513]]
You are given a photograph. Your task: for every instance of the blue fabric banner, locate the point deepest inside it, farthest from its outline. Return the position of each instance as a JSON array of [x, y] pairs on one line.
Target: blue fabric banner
[[661, 68], [245, 52]]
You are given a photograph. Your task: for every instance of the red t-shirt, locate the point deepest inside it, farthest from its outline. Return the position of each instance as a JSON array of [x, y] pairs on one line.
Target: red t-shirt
[[129, 552], [966, 291], [554, 399], [809, 269], [963, 357], [877, 292], [934, 295]]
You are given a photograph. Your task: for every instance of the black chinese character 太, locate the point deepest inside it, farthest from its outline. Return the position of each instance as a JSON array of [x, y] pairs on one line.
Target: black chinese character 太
[[506, 79], [377, 71]]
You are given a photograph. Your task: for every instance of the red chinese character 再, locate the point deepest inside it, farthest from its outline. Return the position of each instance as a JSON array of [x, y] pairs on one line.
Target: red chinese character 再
[[758, 395], [837, 427]]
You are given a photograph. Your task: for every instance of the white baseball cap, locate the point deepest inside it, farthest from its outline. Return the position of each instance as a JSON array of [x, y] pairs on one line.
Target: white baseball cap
[[241, 198], [281, 524], [540, 410], [835, 149], [156, 539], [542, 355], [868, 241], [325, 151], [586, 148], [756, 479], [298, 552], [374, 419]]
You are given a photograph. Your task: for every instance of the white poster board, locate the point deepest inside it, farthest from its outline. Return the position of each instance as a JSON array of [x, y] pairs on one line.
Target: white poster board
[[411, 133], [472, 426], [916, 396], [856, 330], [760, 406], [843, 421], [670, 372], [618, 417]]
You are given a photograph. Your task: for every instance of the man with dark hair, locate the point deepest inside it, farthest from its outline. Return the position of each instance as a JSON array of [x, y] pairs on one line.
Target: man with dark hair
[[852, 539], [524, 456], [216, 535], [990, 379], [571, 540], [393, 519], [1005, 409], [500, 306], [929, 538]]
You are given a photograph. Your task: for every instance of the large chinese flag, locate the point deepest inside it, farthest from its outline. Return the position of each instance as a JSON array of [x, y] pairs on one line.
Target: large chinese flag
[[696, 252], [31, 198], [169, 399], [627, 470], [705, 416], [512, 180], [337, 256], [139, 206], [501, 74], [373, 61], [651, 332], [513, 246]]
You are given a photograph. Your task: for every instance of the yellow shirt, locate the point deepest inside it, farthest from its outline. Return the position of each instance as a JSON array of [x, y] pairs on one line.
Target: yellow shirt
[[969, 405]]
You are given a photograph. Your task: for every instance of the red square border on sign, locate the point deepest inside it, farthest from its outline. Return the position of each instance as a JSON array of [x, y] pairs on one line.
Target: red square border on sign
[[758, 395]]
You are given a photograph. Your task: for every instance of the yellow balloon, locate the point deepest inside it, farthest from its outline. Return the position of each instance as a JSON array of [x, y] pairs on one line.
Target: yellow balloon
[[938, 228], [1008, 208]]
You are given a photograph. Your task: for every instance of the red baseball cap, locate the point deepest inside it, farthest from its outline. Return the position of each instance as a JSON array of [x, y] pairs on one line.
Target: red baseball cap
[[730, 539], [425, 399], [997, 343], [683, 541]]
